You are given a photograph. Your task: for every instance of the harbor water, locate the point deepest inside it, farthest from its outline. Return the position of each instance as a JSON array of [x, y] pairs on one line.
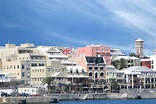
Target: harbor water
[[134, 101]]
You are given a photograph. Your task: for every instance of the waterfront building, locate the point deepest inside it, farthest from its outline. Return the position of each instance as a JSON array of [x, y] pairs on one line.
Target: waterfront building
[[110, 74], [16, 59], [78, 78], [136, 77], [49, 69], [130, 61], [95, 68], [95, 51], [139, 47]]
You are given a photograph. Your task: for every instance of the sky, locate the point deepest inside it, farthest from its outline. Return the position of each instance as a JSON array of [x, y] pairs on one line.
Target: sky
[[77, 23]]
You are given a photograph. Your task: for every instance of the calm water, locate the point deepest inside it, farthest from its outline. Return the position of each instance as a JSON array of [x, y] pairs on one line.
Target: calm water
[[151, 101]]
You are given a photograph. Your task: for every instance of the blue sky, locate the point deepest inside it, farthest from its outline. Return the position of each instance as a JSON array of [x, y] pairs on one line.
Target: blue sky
[[76, 23]]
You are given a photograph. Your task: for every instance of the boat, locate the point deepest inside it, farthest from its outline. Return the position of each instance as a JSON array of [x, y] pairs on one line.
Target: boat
[[138, 97]]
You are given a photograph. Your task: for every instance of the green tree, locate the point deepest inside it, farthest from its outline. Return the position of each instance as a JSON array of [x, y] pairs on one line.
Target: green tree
[[119, 64], [114, 85], [48, 81]]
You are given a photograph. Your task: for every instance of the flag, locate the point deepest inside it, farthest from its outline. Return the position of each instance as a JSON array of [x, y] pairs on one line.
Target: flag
[[67, 50]]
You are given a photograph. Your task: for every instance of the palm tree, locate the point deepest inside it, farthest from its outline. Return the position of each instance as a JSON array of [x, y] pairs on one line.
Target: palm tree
[[48, 81], [114, 85]]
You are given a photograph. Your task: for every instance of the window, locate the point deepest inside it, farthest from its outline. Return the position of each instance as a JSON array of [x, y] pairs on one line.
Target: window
[[90, 74], [23, 74], [90, 68], [101, 68], [22, 66], [17, 66], [4, 67], [96, 68], [101, 74], [102, 50], [14, 67], [10, 66]]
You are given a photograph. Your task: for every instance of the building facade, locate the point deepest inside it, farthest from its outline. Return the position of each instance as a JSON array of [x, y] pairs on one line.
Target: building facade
[[110, 74], [130, 61], [94, 51], [136, 77]]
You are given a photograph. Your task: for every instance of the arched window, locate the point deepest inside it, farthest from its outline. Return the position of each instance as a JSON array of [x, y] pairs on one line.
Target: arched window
[[96, 75], [71, 71], [101, 74], [90, 74]]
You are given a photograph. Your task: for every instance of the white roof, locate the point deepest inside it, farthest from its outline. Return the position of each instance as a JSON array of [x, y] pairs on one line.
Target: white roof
[[77, 76], [139, 39], [136, 70], [125, 57], [110, 66], [45, 49], [145, 60], [68, 62]]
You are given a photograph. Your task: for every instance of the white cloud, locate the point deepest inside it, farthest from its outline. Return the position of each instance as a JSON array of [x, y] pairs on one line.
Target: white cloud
[[138, 16]]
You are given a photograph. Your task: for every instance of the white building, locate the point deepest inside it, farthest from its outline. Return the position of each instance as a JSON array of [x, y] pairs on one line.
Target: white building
[[136, 77], [130, 61], [153, 61], [110, 73]]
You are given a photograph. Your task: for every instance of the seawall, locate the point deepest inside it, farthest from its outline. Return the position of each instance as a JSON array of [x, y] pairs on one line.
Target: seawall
[[70, 96]]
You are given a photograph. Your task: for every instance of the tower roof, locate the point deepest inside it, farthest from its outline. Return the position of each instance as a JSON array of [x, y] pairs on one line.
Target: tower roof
[[139, 39]]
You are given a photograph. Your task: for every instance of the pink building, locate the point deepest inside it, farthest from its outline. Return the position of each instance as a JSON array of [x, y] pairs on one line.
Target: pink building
[[95, 51]]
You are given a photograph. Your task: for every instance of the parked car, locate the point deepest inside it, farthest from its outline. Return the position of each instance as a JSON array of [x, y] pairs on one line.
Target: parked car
[[5, 94], [14, 94], [25, 94]]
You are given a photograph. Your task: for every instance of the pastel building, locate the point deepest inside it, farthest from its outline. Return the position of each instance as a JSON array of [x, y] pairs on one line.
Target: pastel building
[[94, 66], [41, 70], [16, 59], [95, 51]]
